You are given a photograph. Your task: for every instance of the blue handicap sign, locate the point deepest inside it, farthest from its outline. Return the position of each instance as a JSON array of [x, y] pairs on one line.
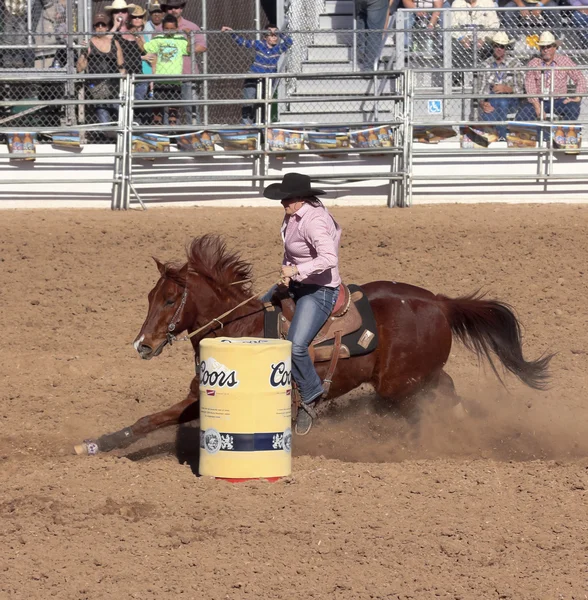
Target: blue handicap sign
[[435, 107]]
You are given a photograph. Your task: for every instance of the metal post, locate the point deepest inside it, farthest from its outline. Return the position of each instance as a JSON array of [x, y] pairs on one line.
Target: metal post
[[447, 58], [408, 138], [399, 42], [29, 23], [204, 88]]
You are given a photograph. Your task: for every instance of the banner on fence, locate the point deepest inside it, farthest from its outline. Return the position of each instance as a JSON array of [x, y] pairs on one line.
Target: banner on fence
[[432, 135], [567, 137], [238, 139], [373, 137], [478, 136], [150, 142], [327, 140], [23, 144], [66, 139], [285, 139], [521, 136]]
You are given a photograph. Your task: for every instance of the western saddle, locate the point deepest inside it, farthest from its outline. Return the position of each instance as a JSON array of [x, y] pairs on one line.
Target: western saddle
[[344, 319]]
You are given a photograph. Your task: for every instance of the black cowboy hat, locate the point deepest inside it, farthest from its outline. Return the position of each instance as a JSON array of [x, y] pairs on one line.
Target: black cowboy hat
[[294, 185], [173, 3]]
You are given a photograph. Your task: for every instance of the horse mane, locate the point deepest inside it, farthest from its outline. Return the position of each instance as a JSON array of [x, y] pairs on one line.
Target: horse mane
[[208, 256]]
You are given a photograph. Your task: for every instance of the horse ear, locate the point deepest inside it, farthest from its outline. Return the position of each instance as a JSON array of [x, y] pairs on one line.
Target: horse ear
[[160, 266]]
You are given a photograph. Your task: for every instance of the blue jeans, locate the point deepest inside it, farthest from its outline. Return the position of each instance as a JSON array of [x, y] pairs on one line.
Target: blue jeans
[[314, 304], [512, 19], [502, 107], [248, 116], [371, 14], [106, 113], [191, 111], [580, 22], [567, 112]]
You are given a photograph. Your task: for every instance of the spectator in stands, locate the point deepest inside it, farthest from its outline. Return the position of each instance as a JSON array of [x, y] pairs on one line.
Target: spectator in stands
[[422, 20], [167, 52], [103, 55], [119, 10], [132, 44], [156, 15], [580, 19], [530, 16], [267, 55], [189, 91], [538, 84], [497, 79], [471, 29], [372, 15]]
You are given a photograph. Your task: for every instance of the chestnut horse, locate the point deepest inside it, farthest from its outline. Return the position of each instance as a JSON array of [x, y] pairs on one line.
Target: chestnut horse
[[415, 329]]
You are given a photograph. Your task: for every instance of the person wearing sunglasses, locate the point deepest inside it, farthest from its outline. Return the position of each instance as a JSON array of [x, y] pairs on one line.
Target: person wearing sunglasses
[[103, 56], [540, 87], [267, 54], [119, 10], [499, 77]]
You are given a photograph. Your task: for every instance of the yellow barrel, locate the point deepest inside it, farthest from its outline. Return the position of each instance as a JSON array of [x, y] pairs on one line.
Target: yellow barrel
[[245, 408]]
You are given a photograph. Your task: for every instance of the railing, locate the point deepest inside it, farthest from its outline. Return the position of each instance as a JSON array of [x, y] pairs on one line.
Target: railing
[[259, 145], [343, 102], [53, 116]]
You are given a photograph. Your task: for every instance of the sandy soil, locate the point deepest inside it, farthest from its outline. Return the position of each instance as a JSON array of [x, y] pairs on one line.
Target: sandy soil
[[494, 506]]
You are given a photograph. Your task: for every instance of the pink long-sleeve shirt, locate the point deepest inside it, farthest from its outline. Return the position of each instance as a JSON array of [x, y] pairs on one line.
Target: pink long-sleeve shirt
[[311, 243]]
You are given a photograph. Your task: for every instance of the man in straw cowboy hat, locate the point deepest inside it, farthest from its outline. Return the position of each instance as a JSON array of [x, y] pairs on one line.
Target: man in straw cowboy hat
[[499, 77], [540, 86]]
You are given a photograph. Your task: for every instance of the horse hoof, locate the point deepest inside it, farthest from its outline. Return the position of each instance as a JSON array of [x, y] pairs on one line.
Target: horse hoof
[[86, 448]]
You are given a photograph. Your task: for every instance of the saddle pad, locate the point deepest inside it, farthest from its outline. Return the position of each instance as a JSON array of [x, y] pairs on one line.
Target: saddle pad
[[359, 342]]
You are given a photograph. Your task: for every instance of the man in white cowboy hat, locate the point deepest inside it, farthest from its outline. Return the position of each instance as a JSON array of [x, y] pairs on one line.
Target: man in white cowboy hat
[[498, 78], [539, 84]]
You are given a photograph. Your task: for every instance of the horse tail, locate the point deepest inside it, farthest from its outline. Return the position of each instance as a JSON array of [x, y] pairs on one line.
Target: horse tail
[[488, 325]]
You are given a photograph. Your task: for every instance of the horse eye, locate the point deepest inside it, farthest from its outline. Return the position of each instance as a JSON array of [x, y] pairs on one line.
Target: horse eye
[[170, 302]]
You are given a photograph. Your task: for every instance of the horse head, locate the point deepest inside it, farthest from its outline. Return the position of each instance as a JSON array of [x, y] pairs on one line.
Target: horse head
[[165, 316]]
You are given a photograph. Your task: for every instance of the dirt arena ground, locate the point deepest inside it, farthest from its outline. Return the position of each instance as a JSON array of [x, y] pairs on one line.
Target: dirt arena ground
[[493, 506]]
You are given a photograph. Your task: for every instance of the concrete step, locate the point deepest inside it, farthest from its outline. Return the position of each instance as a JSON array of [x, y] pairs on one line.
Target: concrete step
[[343, 106], [340, 118], [339, 7], [326, 67], [336, 86], [336, 22], [329, 53], [333, 38]]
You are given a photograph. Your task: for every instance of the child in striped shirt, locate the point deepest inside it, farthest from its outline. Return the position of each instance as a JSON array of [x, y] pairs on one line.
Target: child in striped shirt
[[267, 55]]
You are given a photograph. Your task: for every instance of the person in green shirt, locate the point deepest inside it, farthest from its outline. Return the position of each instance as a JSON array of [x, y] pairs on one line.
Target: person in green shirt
[[166, 53]]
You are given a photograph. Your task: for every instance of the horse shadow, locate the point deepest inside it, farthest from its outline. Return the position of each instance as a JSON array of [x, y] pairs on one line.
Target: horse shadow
[[185, 447]]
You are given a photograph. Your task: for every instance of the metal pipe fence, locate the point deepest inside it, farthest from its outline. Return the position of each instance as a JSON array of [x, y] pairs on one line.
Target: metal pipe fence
[[322, 105], [265, 139]]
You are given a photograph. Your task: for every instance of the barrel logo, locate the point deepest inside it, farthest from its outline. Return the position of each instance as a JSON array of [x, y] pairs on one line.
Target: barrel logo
[[280, 375], [215, 374]]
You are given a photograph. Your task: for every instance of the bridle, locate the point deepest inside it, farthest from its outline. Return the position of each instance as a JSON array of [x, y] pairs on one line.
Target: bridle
[[171, 338]]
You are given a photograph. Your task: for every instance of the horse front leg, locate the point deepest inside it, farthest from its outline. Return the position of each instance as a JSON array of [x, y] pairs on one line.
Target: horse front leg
[[182, 412]]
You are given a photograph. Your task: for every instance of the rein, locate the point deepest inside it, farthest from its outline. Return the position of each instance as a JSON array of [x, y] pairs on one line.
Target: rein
[[171, 338]]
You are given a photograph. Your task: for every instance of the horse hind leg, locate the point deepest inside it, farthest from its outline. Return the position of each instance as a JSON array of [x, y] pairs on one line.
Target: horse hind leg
[[445, 391]]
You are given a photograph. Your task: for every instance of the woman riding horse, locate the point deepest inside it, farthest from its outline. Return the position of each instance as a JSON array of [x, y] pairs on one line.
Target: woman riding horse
[[310, 272]]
